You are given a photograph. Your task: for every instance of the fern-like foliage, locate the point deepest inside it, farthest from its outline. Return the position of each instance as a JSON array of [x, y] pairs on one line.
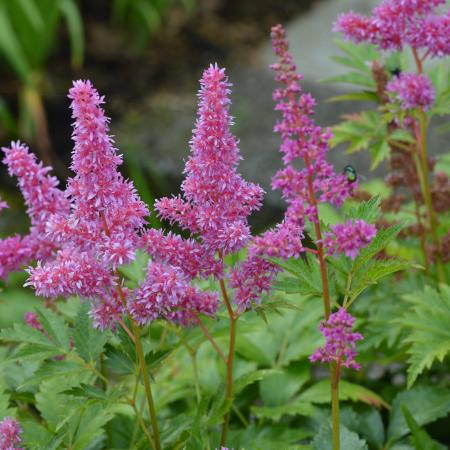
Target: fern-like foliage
[[429, 333]]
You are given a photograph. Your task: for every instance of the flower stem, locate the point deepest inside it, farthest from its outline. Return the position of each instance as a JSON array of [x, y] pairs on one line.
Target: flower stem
[[424, 176], [229, 361], [334, 369], [148, 391]]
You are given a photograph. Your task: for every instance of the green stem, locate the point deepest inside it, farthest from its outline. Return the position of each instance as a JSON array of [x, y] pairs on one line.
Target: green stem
[[148, 391], [424, 177], [229, 362], [334, 369]]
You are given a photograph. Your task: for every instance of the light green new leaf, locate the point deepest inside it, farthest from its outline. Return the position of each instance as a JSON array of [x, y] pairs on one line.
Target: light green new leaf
[[249, 378], [428, 330], [367, 211], [426, 404]]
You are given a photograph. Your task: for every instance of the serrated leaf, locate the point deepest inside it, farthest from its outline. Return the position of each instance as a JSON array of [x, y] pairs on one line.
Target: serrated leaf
[[251, 350], [305, 271], [355, 96], [249, 378], [89, 342], [25, 334], [367, 211], [379, 151], [55, 369], [155, 358], [400, 134], [33, 352], [55, 327], [428, 333], [320, 393], [87, 391], [426, 404], [348, 439]]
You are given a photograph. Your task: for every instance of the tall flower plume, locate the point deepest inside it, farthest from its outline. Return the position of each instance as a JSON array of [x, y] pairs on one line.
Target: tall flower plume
[[103, 228], [303, 189], [216, 200], [43, 200]]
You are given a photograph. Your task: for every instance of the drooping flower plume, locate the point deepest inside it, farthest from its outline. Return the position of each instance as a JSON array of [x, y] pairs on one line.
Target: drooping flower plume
[[10, 432], [395, 24], [412, 90], [340, 341]]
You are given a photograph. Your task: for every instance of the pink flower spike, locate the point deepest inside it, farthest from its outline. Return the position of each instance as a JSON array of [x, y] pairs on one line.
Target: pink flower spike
[[340, 341], [412, 90], [10, 432], [349, 238], [217, 201]]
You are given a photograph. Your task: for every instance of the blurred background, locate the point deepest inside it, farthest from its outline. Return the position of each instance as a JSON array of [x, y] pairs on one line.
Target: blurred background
[[146, 57]]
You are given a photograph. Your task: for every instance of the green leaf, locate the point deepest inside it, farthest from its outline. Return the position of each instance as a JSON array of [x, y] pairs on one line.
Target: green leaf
[[11, 49], [428, 333], [74, 22], [33, 352], [307, 279], [88, 341], [420, 438], [294, 408], [32, 13], [367, 211], [379, 150], [250, 350], [355, 96], [348, 439], [356, 78], [55, 327], [400, 134], [249, 378], [87, 391], [155, 358], [320, 393], [55, 369], [426, 404], [24, 333], [374, 270]]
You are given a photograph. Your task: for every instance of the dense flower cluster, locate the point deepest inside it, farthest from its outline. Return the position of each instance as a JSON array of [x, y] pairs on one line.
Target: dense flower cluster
[[10, 432], [43, 200], [167, 293], [412, 90], [349, 237], [102, 230], [340, 341], [398, 23], [217, 201]]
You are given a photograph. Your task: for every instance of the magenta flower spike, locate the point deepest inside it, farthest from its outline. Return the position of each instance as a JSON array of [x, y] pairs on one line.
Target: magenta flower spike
[[398, 23], [349, 238], [43, 200], [412, 91], [10, 432], [340, 341]]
